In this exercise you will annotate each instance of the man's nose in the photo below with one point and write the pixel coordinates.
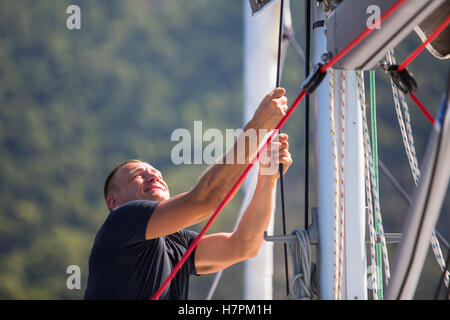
(149, 176)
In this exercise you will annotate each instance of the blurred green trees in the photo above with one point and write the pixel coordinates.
(76, 103)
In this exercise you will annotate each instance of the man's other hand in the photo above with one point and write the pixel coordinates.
(271, 110)
(277, 152)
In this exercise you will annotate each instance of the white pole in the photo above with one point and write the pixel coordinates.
(355, 275)
(324, 162)
(354, 282)
(260, 71)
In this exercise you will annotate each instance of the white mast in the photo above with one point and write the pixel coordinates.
(260, 71)
(324, 161)
(354, 281)
(355, 275)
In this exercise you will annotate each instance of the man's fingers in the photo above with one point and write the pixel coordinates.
(282, 137)
(279, 145)
(278, 154)
(278, 92)
(284, 108)
(287, 160)
(284, 145)
(275, 146)
(281, 100)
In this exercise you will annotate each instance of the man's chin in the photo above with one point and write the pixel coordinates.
(156, 196)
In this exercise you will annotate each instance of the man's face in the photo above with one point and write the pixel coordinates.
(139, 181)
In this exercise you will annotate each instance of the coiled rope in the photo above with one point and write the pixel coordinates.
(303, 286)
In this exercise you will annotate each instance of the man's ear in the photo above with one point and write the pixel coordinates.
(112, 202)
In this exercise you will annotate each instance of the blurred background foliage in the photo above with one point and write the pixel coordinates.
(75, 103)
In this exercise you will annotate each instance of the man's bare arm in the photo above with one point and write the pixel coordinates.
(198, 204)
(220, 250)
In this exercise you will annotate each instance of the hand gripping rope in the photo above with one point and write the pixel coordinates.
(308, 86)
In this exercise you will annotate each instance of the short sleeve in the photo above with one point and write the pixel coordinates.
(189, 237)
(128, 223)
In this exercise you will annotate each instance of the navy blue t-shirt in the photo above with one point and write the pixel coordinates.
(123, 265)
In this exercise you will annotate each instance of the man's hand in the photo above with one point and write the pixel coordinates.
(277, 152)
(201, 202)
(220, 250)
(271, 110)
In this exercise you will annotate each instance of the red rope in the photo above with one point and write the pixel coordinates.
(364, 34)
(416, 52)
(229, 196)
(422, 107)
(280, 124)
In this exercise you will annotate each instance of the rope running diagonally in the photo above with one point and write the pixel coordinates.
(238, 183)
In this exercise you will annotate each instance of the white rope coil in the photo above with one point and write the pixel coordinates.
(302, 286)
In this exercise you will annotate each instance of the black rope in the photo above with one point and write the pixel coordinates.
(280, 167)
(307, 70)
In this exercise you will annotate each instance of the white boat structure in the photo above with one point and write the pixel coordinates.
(346, 230)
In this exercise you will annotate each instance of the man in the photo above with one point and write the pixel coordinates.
(145, 233)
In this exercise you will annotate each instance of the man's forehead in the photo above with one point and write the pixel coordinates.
(136, 166)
